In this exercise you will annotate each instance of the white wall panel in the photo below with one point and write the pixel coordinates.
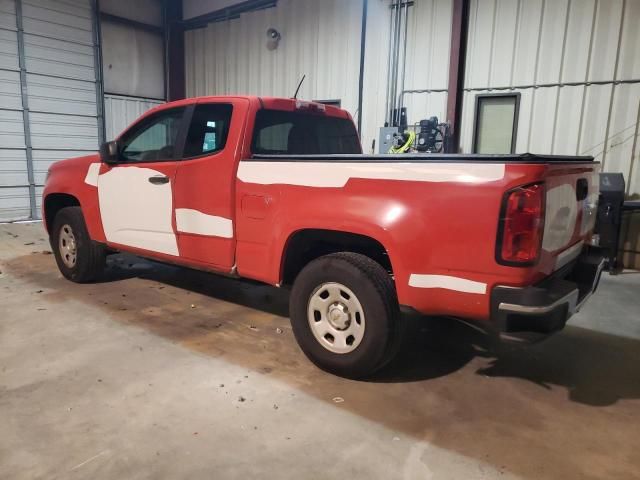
(605, 39)
(319, 38)
(132, 61)
(10, 94)
(555, 43)
(552, 37)
(120, 112)
(8, 49)
(629, 62)
(375, 71)
(578, 40)
(7, 14)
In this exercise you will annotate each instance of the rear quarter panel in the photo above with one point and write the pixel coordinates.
(439, 229)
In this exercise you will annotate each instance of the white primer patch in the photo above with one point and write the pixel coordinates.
(337, 174)
(561, 216)
(92, 174)
(136, 213)
(194, 221)
(568, 255)
(447, 282)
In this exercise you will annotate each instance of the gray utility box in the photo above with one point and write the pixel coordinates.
(386, 141)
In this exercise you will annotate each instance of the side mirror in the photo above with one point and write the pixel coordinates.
(110, 152)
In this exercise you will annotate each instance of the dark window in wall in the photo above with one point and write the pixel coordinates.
(208, 129)
(281, 132)
(496, 123)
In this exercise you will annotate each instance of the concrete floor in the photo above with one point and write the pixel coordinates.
(159, 372)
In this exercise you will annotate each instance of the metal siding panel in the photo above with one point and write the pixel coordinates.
(480, 37)
(375, 72)
(132, 61)
(52, 131)
(551, 41)
(623, 128)
(578, 38)
(10, 90)
(504, 42)
(61, 95)
(8, 14)
(596, 109)
(145, 11)
(318, 39)
(629, 64)
(605, 40)
(120, 112)
(8, 50)
(14, 204)
(11, 129)
(13, 167)
(524, 67)
(42, 160)
(59, 58)
(567, 123)
(58, 20)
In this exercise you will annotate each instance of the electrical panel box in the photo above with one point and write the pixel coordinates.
(386, 139)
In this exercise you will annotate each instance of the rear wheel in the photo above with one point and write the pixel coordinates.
(345, 315)
(79, 258)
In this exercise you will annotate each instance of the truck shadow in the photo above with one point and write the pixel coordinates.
(450, 385)
(596, 368)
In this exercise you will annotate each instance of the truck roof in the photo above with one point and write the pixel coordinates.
(271, 103)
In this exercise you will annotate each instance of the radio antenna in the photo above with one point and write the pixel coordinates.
(295, 95)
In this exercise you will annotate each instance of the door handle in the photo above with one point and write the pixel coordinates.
(159, 180)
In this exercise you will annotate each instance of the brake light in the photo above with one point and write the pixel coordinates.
(521, 226)
(312, 106)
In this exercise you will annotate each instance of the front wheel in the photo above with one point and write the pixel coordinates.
(79, 258)
(344, 313)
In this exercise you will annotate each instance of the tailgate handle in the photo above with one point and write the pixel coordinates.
(582, 189)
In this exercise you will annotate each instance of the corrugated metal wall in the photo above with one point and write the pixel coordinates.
(120, 112)
(319, 38)
(14, 181)
(58, 95)
(576, 64)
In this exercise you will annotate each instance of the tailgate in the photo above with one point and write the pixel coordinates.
(570, 212)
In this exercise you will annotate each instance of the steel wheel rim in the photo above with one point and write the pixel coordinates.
(67, 246)
(336, 318)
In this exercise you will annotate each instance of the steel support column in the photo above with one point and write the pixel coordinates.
(25, 111)
(458, 56)
(176, 84)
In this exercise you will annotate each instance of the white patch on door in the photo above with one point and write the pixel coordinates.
(135, 212)
(92, 174)
(194, 221)
(447, 282)
(337, 174)
(560, 219)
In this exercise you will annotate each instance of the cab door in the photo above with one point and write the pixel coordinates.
(205, 182)
(136, 194)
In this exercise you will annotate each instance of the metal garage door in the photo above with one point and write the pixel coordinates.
(48, 90)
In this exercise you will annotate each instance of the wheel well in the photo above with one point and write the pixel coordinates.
(56, 202)
(307, 245)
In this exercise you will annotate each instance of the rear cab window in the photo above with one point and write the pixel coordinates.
(280, 132)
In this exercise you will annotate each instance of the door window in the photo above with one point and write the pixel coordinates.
(154, 139)
(208, 130)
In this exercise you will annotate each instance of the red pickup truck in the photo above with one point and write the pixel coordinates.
(278, 190)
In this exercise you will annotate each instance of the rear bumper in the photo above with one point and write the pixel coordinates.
(530, 313)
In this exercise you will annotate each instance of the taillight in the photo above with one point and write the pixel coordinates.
(521, 226)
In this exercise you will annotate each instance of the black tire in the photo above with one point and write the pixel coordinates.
(374, 290)
(89, 255)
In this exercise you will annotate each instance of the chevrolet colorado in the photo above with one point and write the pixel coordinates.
(278, 190)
